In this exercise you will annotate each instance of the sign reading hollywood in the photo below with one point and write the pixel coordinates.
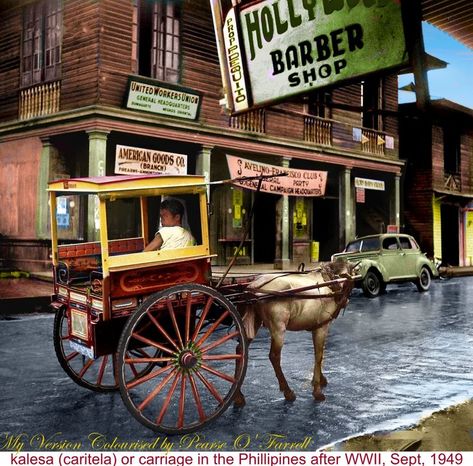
(135, 160)
(294, 46)
(164, 99)
(296, 183)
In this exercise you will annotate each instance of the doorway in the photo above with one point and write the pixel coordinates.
(450, 234)
(264, 228)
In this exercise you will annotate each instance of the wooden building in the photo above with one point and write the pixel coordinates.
(438, 201)
(67, 70)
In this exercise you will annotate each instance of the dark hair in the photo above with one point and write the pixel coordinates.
(174, 206)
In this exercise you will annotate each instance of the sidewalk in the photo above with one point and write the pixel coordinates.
(33, 293)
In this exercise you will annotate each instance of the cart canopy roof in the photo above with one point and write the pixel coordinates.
(130, 185)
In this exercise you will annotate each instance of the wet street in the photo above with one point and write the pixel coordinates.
(389, 361)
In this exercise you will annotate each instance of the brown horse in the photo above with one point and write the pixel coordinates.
(306, 307)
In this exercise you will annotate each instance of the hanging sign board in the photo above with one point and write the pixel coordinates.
(165, 99)
(277, 49)
(132, 160)
(296, 183)
(366, 183)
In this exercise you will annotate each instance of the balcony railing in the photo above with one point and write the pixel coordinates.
(372, 142)
(317, 130)
(254, 121)
(39, 100)
(452, 182)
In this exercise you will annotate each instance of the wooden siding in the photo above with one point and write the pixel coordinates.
(10, 39)
(115, 51)
(80, 54)
(19, 168)
(437, 157)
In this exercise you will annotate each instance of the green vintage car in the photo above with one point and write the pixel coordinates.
(388, 258)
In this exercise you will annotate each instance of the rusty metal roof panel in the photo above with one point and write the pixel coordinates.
(452, 16)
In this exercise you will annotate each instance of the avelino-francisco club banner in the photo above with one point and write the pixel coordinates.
(296, 183)
(277, 49)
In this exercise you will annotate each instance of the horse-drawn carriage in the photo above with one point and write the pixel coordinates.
(154, 324)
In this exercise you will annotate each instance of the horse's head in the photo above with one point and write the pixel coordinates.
(343, 268)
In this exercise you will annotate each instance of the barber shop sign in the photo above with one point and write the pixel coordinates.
(274, 49)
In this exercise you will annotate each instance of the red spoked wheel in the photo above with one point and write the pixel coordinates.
(202, 360)
(97, 374)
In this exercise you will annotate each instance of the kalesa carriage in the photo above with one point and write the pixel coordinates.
(156, 325)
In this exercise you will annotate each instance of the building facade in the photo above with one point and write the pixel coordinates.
(73, 102)
(438, 201)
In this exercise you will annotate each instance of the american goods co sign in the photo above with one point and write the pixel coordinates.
(274, 49)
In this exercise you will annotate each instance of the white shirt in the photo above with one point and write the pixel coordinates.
(175, 237)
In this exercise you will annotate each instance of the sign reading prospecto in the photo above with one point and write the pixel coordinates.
(296, 183)
(133, 160)
(288, 47)
(165, 99)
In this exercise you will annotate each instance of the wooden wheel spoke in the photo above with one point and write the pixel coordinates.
(220, 341)
(182, 401)
(203, 317)
(174, 322)
(134, 361)
(217, 373)
(86, 368)
(161, 329)
(212, 328)
(198, 401)
(147, 377)
(166, 402)
(151, 343)
(210, 387)
(156, 391)
(71, 356)
(188, 316)
(103, 365)
(140, 351)
(221, 357)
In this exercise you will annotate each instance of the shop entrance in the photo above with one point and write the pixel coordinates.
(450, 234)
(264, 228)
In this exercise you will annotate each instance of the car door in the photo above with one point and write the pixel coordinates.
(391, 258)
(411, 254)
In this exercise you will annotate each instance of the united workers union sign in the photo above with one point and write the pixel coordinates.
(288, 47)
(155, 97)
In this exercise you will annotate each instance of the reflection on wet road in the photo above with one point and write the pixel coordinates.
(388, 361)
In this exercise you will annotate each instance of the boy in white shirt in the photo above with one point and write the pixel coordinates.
(171, 235)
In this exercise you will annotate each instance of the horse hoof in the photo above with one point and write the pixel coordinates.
(319, 396)
(290, 395)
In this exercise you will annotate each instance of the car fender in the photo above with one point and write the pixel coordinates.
(367, 264)
(424, 261)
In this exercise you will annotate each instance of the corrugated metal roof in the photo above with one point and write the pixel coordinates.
(452, 16)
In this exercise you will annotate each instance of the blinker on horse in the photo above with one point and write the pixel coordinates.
(297, 301)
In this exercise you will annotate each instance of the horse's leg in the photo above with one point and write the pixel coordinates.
(277, 342)
(318, 381)
(252, 323)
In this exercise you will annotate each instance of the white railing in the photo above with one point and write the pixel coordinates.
(317, 130)
(39, 100)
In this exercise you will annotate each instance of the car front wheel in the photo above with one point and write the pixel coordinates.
(423, 282)
(372, 284)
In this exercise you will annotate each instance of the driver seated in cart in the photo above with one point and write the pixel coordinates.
(171, 234)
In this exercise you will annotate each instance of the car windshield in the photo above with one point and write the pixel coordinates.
(370, 244)
(353, 247)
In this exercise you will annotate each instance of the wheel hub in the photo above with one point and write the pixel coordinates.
(188, 359)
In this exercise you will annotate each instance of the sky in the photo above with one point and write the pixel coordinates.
(455, 82)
